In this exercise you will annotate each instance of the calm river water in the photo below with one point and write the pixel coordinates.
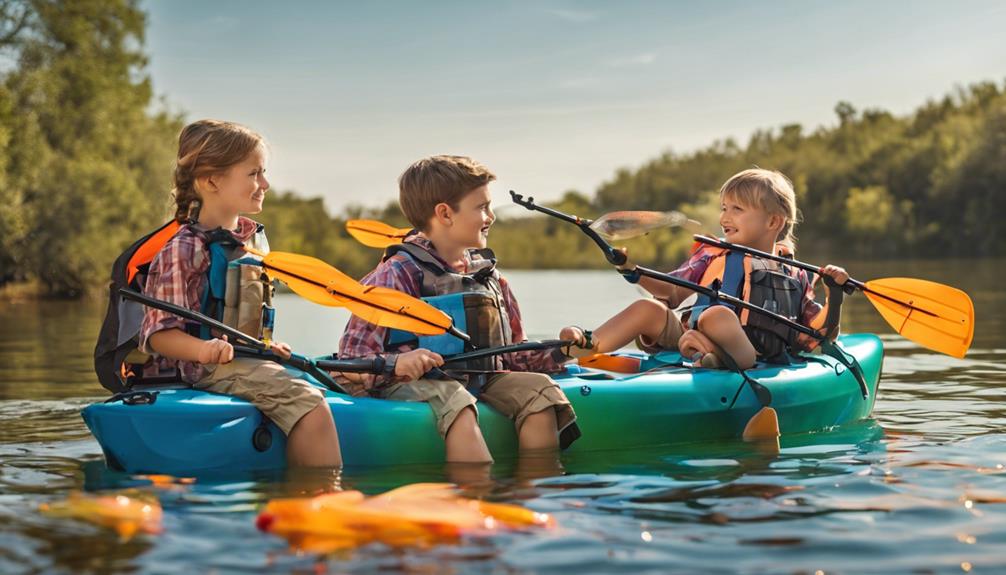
(921, 488)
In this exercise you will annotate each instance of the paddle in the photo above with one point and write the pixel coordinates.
(376, 234)
(618, 257)
(480, 353)
(321, 283)
(259, 347)
(614, 226)
(936, 316)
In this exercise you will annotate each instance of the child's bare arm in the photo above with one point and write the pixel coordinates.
(177, 344)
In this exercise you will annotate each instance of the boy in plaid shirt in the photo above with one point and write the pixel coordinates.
(447, 199)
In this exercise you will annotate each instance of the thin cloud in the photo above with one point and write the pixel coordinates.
(577, 16)
(642, 59)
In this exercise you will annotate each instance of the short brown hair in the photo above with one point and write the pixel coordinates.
(438, 180)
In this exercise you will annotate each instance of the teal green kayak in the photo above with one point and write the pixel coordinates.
(181, 431)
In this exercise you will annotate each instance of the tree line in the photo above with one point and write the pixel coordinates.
(86, 152)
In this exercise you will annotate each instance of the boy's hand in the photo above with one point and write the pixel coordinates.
(281, 349)
(413, 364)
(837, 274)
(216, 351)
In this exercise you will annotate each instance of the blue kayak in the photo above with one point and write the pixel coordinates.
(182, 431)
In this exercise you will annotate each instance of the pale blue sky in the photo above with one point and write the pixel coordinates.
(551, 95)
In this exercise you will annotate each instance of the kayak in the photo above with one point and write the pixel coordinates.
(182, 431)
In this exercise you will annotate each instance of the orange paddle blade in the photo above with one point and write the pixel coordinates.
(933, 315)
(762, 425)
(321, 283)
(376, 234)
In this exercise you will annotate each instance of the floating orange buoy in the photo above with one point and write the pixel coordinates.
(126, 514)
(417, 515)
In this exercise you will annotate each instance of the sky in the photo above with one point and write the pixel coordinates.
(551, 95)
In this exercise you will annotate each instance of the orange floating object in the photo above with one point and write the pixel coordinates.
(418, 515)
(167, 481)
(126, 514)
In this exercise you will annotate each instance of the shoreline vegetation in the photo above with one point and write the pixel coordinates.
(86, 149)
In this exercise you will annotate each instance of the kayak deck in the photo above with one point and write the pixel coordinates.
(185, 431)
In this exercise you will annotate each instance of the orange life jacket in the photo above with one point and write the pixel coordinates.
(755, 281)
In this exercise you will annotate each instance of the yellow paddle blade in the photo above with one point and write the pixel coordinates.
(376, 234)
(762, 425)
(321, 283)
(933, 315)
(398, 310)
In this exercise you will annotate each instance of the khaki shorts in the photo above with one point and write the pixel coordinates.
(668, 339)
(514, 394)
(276, 392)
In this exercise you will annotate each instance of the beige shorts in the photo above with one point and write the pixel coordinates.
(515, 395)
(668, 339)
(276, 392)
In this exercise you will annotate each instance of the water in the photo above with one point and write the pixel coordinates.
(920, 488)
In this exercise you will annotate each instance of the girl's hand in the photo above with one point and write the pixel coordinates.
(281, 349)
(837, 274)
(216, 351)
(413, 364)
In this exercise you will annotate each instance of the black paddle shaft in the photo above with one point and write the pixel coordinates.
(617, 257)
(850, 286)
(614, 257)
(238, 336)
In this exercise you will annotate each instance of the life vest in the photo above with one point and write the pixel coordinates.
(474, 300)
(755, 281)
(238, 291)
(231, 296)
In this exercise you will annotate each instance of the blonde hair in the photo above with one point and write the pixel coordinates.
(435, 180)
(205, 148)
(771, 191)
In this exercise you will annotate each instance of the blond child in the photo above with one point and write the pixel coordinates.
(447, 199)
(758, 210)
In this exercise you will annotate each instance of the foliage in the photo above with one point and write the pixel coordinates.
(85, 164)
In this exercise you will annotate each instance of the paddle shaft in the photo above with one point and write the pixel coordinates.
(258, 348)
(195, 316)
(617, 257)
(451, 330)
(811, 268)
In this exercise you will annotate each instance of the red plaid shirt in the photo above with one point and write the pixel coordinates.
(178, 275)
(400, 272)
(811, 312)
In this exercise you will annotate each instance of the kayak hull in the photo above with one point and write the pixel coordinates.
(185, 431)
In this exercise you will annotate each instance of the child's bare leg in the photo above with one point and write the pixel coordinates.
(646, 316)
(721, 325)
(313, 441)
(464, 439)
(539, 431)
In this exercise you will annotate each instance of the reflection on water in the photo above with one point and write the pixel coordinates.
(918, 489)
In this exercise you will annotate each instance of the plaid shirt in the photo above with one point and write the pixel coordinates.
(812, 314)
(178, 275)
(400, 272)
